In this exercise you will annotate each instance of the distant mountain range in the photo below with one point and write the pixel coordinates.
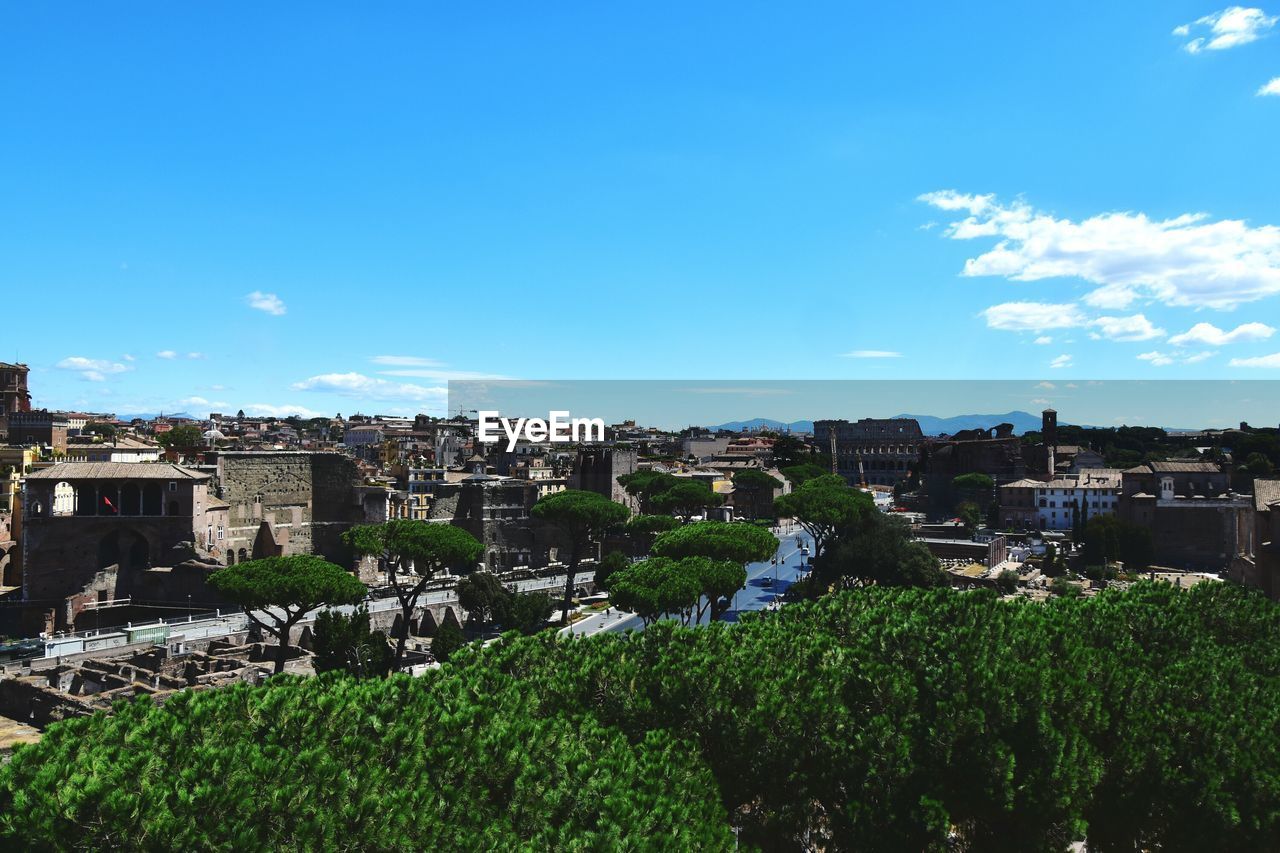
(929, 424)
(1022, 422)
(766, 423)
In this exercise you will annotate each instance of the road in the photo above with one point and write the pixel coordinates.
(209, 626)
(760, 592)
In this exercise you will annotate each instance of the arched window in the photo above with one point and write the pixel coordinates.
(130, 499)
(152, 498)
(86, 499)
(64, 499)
(108, 499)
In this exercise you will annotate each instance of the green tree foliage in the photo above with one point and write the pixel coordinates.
(718, 540)
(661, 493)
(727, 548)
(185, 437)
(487, 601)
(789, 450)
(823, 506)
(448, 639)
(1007, 582)
(345, 644)
(880, 720)
(686, 498)
(970, 514)
(526, 612)
(610, 564)
(649, 525)
(98, 428)
(641, 530)
(880, 552)
(973, 482)
(657, 587)
(645, 485)
(1108, 538)
(582, 517)
(333, 763)
(405, 546)
(481, 594)
(803, 473)
(753, 491)
(1065, 588)
(1259, 465)
(718, 581)
(1050, 565)
(276, 592)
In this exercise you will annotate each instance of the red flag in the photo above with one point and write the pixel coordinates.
(106, 500)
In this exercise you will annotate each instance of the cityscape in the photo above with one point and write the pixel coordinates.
(682, 428)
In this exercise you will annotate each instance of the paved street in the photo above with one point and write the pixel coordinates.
(207, 626)
(760, 592)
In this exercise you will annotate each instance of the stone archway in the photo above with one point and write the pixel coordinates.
(128, 549)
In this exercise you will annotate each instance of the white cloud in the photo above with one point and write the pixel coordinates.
(92, 369)
(1033, 316)
(195, 356)
(405, 361)
(872, 353)
(128, 357)
(1161, 359)
(167, 354)
(1230, 27)
(1270, 88)
(952, 200)
(416, 367)
(1043, 340)
(1042, 401)
(1272, 360)
(1061, 361)
(267, 410)
(442, 375)
(1184, 261)
(268, 302)
(369, 388)
(1210, 335)
(1134, 328)
(1156, 357)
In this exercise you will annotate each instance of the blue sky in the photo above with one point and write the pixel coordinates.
(330, 207)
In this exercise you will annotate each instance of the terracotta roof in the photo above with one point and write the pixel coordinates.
(1023, 484)
(1265, 493)
(116, 471)
(1176, 467)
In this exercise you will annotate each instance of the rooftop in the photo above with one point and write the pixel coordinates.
(1180, 467)
(1265, 493)
(117, 471)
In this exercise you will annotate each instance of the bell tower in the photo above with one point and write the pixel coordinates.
(1049, 436)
